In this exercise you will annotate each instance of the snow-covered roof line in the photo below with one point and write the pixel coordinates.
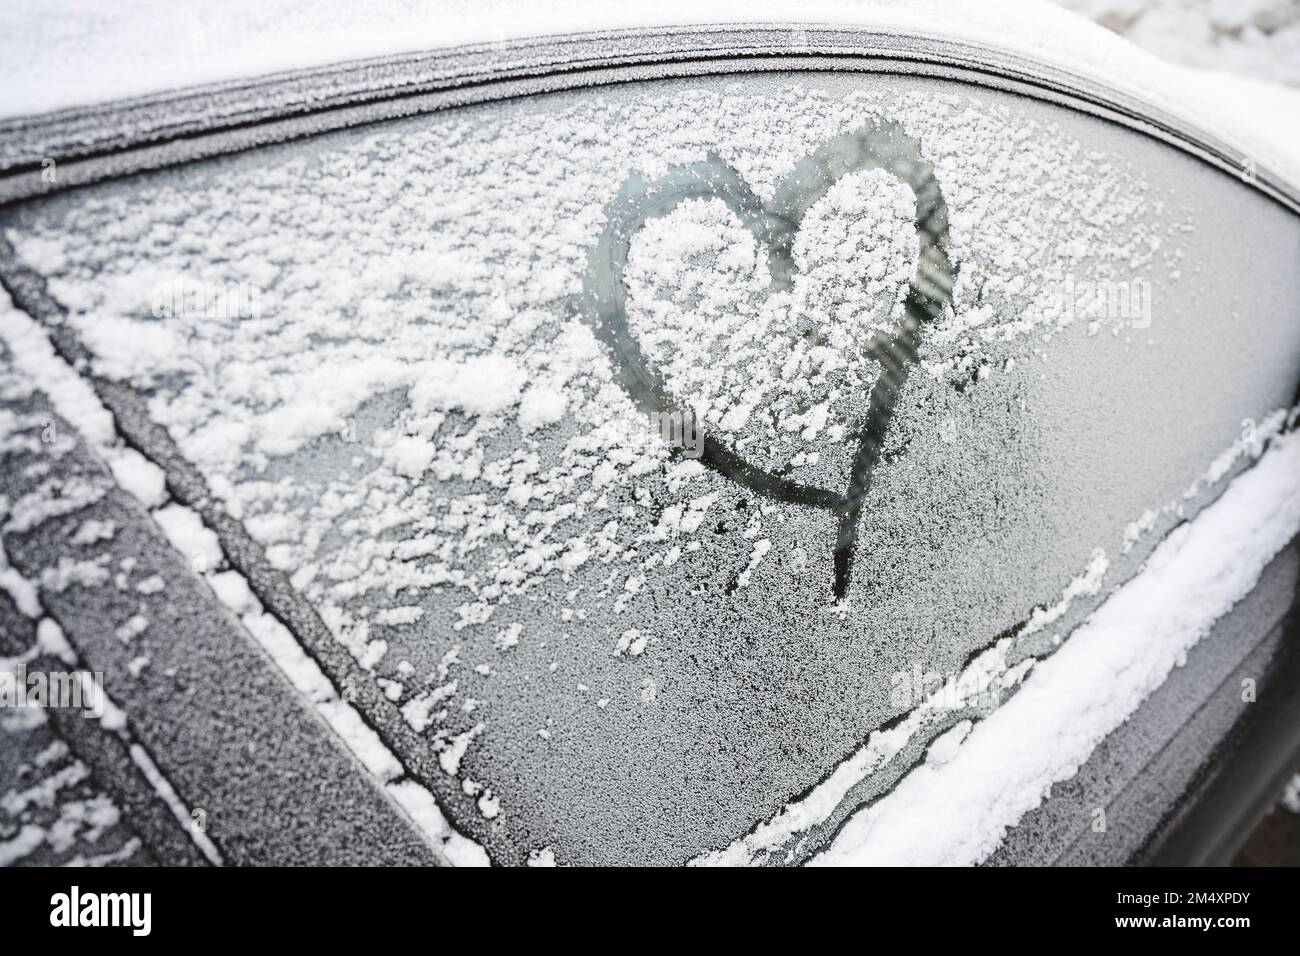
(132, 54)
(139, 47)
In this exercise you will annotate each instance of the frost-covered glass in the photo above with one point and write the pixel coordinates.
(389, 353)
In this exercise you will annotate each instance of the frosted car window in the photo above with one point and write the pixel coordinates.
(383, 351)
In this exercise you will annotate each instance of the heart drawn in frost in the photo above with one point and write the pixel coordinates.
(774, 224)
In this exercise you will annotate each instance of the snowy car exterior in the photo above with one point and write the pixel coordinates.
(756, 444)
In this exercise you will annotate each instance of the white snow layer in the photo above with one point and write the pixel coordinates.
(956, 812)
(81, 52)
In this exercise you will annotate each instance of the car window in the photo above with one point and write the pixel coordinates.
(555, 411)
